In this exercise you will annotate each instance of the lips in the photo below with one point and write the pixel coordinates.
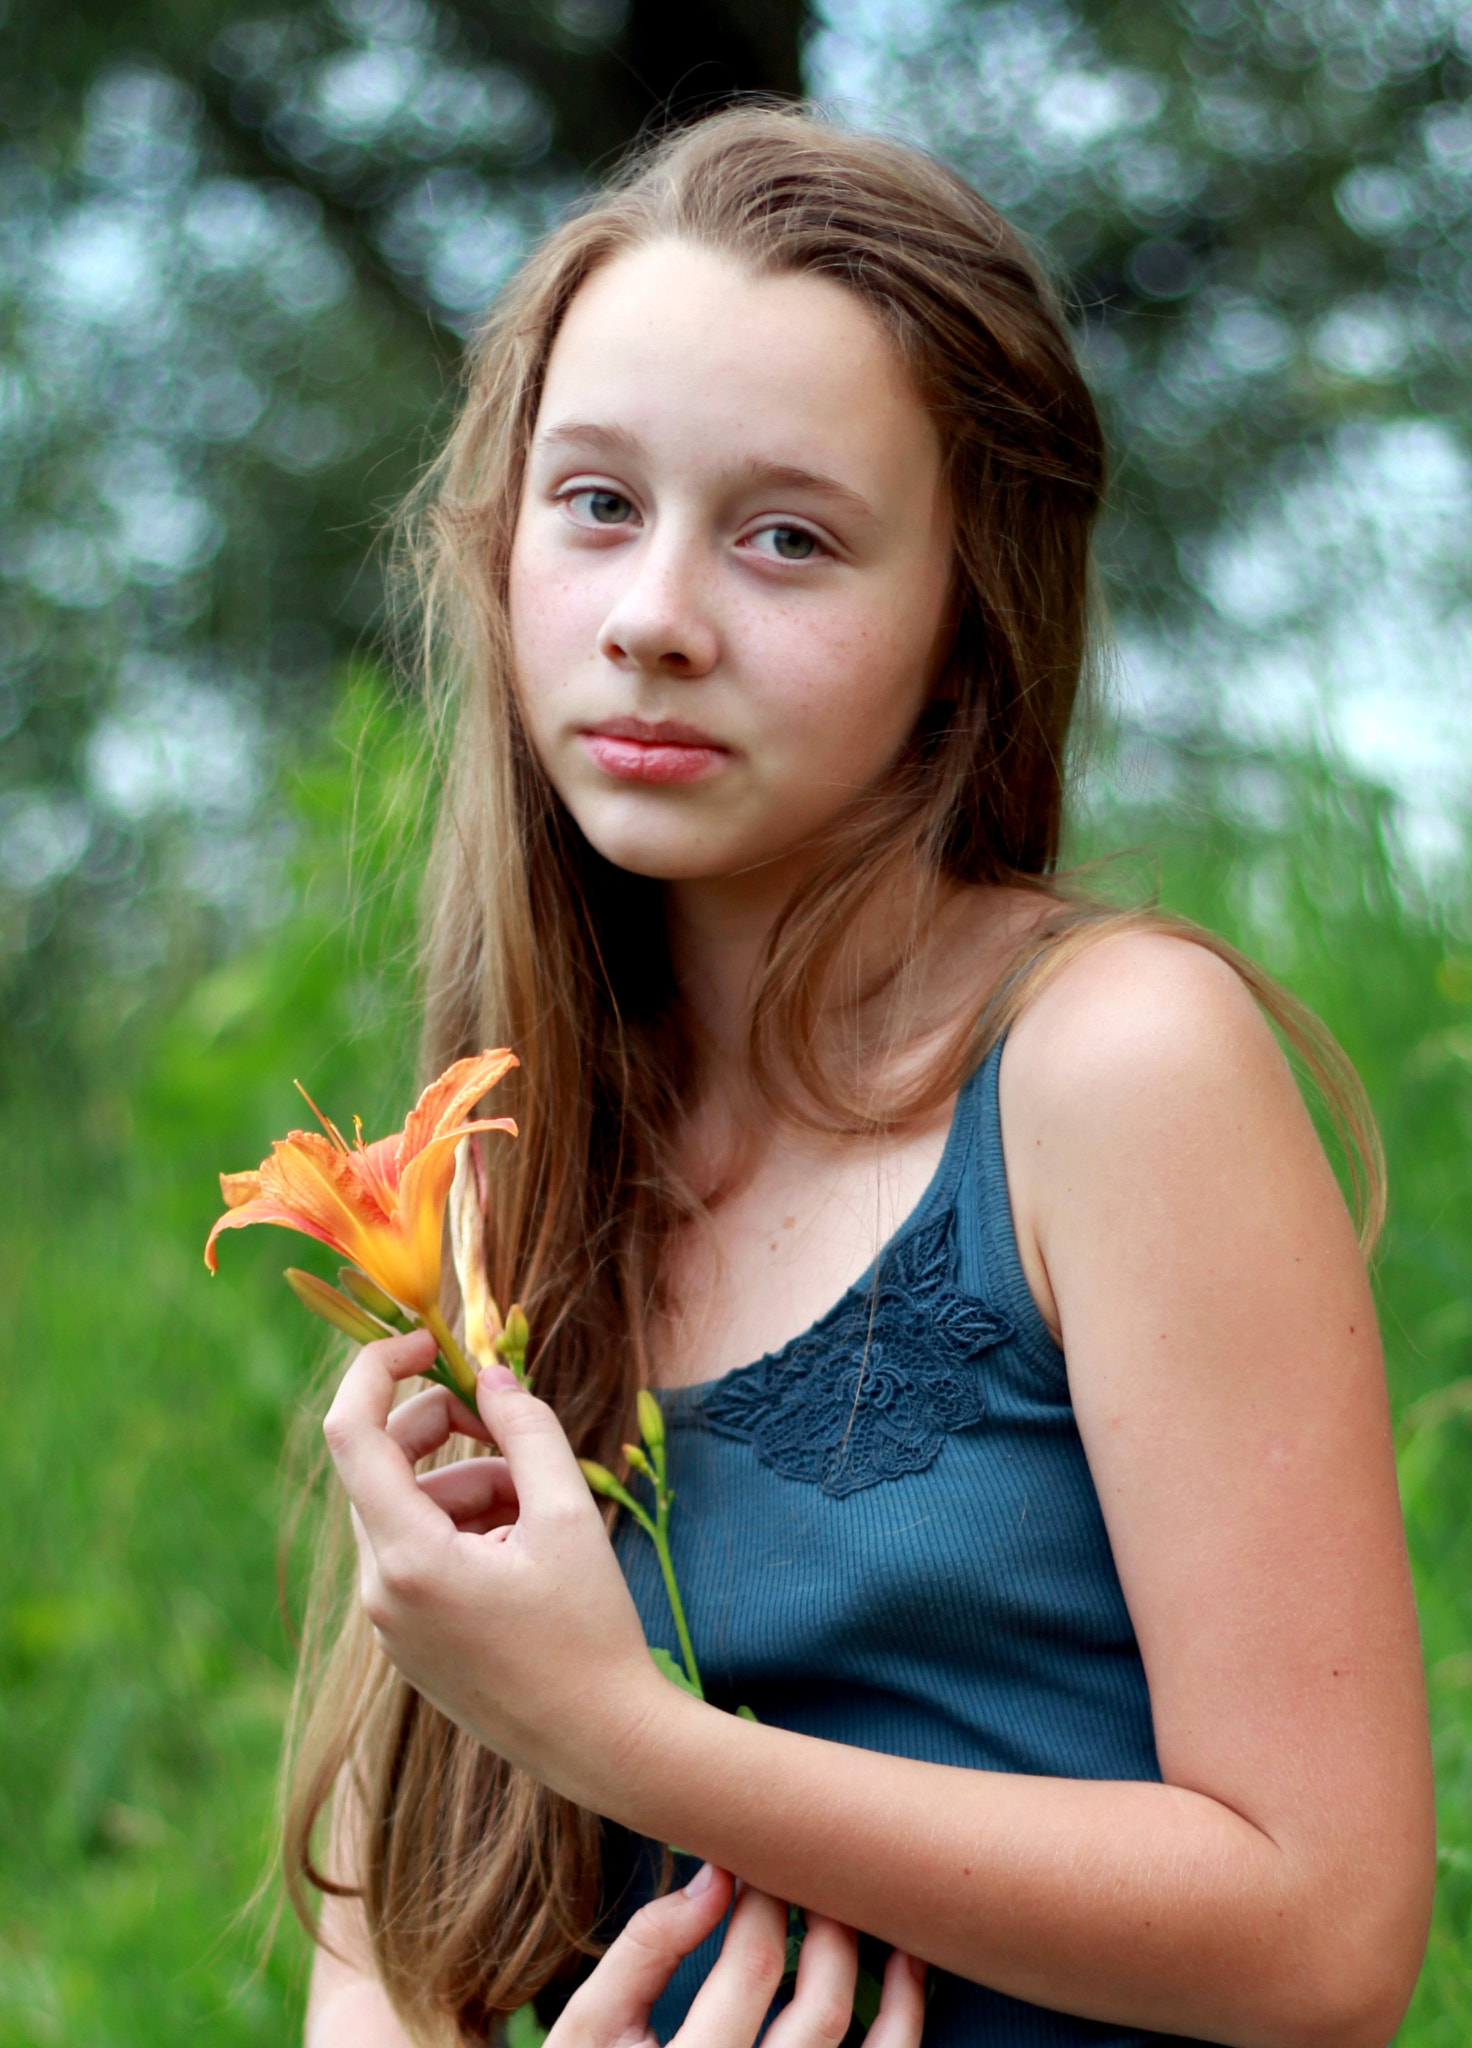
(657, 732)
(661, 750)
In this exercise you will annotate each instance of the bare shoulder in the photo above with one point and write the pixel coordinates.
(1147, 1104)
(1137, 1000)
(1141, 1014)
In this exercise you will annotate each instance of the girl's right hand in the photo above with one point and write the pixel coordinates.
(612, 2009)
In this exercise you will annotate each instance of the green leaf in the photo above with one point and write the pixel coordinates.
(674, 1671)
(745, 1714)
(524, 2029)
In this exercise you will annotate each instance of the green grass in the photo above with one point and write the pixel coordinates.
(144, 1661)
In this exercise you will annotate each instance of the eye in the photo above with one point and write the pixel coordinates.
(787, 543)
(600, 508)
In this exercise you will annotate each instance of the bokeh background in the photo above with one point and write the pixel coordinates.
(239, 251)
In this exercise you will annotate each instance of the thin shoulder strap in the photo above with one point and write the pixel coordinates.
(986, 1235)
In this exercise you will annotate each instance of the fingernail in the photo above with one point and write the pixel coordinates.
(702, 1881)
(498, 1378)
(918, 1969)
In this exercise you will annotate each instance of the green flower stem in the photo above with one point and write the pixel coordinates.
(667, 1565)
(460, 1373)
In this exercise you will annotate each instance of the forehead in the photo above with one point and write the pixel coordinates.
(681, 347)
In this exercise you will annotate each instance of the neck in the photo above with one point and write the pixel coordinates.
(719, 928)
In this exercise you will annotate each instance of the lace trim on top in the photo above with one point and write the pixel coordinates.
(875, 1387)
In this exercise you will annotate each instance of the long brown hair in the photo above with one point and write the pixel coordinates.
(478, 1884)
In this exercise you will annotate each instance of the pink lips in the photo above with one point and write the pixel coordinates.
(636, 750)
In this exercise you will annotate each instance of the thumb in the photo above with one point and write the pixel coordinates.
(614, 2003)
(538, 1455)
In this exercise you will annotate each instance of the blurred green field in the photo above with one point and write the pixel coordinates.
(145, 1664)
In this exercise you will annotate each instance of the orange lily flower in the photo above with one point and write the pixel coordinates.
(381, 1205)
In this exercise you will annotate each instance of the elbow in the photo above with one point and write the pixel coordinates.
(1351, 2016)
(1352, 1977)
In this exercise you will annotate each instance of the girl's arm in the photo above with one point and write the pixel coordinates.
(1177, 1215)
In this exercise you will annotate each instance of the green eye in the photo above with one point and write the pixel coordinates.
(604, 508)
(792, 543)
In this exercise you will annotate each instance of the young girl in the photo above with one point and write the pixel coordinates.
(1017, 1358)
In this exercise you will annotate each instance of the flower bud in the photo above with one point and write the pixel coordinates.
(602, 1481)
(651, 1420)
(368, 1294)
(513, 1340)
(639, 1462)
(325, 1301)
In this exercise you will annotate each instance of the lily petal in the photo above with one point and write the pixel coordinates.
(449, 1100)
(380, 1206)
(468, 1249)
(423, 1191)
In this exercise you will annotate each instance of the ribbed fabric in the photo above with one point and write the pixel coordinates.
(969, 1613)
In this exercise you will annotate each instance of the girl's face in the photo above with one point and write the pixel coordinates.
(730, 573)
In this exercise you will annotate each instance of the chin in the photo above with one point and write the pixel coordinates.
(666, 851)
(661, 841)
(657, 862)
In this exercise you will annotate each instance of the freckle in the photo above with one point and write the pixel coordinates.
(789, 1222)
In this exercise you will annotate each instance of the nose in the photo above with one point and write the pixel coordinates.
(660, 624)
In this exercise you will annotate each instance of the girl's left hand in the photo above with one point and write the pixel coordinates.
(730, 2009)
(492, 1584)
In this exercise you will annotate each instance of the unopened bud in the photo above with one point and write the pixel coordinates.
(325, 1301)
(368, 1294)
(514, 1339)
(602, 1481)
(651, 1420)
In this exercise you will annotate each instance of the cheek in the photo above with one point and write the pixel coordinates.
(851, 688)
(545, 629)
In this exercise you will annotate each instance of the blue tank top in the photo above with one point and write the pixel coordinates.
(886, 1534)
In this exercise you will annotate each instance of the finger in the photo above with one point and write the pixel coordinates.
(378, 1478)
(425, 1421)
(476, 1493)
(532, 1442)
(616, 1999)
(902, 2008)
(823, 2002)
(731, 2004)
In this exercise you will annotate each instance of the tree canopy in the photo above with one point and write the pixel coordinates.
(242, 247)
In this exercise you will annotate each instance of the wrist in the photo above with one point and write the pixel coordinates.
(626, 1777)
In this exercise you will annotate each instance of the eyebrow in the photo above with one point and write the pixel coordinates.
(586, 434)
(781, 476)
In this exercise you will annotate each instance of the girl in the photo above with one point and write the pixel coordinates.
(1016, 1353)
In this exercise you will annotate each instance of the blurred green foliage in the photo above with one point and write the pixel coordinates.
(145, 1661)
(144, 1658)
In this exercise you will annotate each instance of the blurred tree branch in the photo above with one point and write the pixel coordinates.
(602, 71)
